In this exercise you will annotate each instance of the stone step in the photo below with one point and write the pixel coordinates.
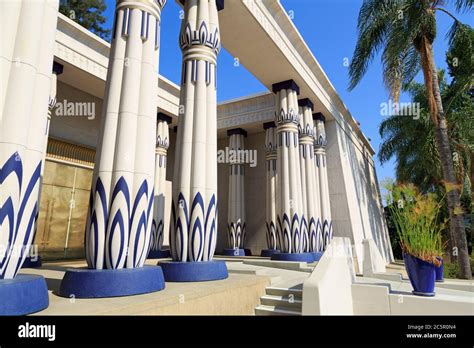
(273, 310)
(277, 291)
(281, 301)
(286, 265)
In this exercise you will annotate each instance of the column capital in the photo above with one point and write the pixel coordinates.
(238, 131)
(306, 102)
(163, 117)
(219, 4)
(319, 117)
(57, 68)
(288, 84)
(268, 125)
(153, 7)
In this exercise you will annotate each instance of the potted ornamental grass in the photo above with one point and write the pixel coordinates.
(416, 218)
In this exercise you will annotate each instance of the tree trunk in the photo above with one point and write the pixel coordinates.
(456, 221)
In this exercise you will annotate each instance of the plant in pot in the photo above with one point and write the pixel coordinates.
(417, 223)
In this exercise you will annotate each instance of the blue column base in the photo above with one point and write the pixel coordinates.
(233, 252)
(175, 271)
(159, 254)
(317, 255)
(426, 294)
(32, 262)
(98, 283)
(248, 252)
(268, 252)
(24, 294)
(300, 257)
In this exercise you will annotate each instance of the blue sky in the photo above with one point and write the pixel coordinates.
(330, 32)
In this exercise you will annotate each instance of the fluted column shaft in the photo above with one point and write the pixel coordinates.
(119, 225)
(27, 32)
(236, 227)
(273, 240)
(320, 160)
(193, 225)
(162, 145)
(57, 70)
(311, 230)
(289, 198)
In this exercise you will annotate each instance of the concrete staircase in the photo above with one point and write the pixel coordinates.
(285, 293)
(281, 301)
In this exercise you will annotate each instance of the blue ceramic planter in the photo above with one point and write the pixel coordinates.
(439, 272)
(422, 275)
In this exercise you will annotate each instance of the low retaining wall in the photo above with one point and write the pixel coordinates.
(328, 289)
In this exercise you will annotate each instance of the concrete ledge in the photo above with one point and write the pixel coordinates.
(288, 265)
(328, 289)
(372, 296)
(239, 294)
(441, 304)
(373, 261)
(370, 299)
(454, 284)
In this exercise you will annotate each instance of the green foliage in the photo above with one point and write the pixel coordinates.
(412, 141)
(395, 28)
(460, 60)
(451, 270)
(88, 13)
(416, 219)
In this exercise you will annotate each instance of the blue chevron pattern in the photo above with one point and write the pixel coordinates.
(237, 232)
(22, 219)
(193, 233)
(119, 221)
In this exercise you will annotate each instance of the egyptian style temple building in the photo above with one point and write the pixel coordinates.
(303, 173)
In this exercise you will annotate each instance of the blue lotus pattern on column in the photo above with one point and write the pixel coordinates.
(119, 237)
(304, 234)
(273, 242)
(195, 239)
(313, 235)
(290, 233)
(296, 234)
(17, 219)
(319, 237)
(236, 232)
(157, 234)
(327, 233)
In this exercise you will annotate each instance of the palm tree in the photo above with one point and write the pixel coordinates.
(412, 141)
(404, 30)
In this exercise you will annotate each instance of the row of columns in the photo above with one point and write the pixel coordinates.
(298, 214)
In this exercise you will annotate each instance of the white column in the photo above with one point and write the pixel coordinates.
(120, 217)
(289, 198)
(57, 70)
(236, 209)
(162, 145)
(311, 207)
(273, 240)
(27, 32)
(193, 233)
(322, 177)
